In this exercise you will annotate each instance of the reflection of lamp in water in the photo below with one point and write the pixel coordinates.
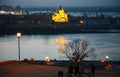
(19, 35)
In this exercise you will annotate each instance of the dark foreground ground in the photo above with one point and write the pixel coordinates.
(34, 70)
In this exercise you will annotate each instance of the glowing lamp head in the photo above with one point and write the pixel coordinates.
(46, 57)
(18, 34)
(106, 57)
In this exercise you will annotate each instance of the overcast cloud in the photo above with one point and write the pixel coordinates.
(62, 2)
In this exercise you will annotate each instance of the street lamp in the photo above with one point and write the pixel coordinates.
(19, 35)
(47, 59)
(107, 57)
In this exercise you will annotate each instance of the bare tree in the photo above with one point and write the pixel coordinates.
(77, 50)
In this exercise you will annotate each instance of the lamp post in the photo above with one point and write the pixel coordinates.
(108, 65)
(47, 59)
(19, 35)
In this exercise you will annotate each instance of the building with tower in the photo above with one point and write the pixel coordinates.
(60, 16)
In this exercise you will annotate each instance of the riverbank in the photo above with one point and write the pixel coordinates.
(63, 63)
(32, 70)
(42, 23)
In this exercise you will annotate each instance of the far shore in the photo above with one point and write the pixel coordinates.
(51, 29)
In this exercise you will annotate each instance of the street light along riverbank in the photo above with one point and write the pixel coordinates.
(19, 35)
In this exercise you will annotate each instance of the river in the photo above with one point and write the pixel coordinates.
(40, 46)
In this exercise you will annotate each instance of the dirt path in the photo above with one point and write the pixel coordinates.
(29, 70)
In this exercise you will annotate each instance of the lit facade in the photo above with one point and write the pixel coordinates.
(60, 16)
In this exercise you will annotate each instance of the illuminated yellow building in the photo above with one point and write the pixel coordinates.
(60, 16)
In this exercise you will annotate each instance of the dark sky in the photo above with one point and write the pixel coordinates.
(71, 3)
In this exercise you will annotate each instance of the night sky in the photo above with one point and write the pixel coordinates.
(69, 3)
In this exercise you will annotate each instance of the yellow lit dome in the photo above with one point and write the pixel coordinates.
(60, 16)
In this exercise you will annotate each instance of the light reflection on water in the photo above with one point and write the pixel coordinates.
(40, 46)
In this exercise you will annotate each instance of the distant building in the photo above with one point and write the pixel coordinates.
(60, 16)
(118, 20)
(18, 10)
(9, 10)
(95, 21)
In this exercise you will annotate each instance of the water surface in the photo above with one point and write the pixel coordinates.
(40, 46)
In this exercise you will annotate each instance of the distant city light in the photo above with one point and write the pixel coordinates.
(12, 12)
(2, 12)
(102, 61)
(81, 21)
